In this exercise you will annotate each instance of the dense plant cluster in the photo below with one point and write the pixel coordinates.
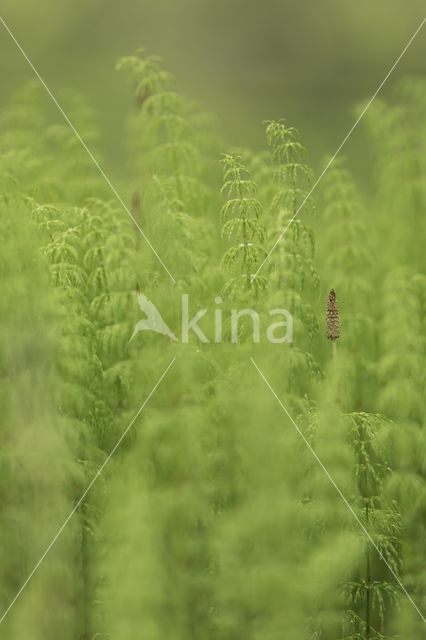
(223, 514)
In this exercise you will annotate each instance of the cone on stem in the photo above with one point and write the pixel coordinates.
(333, 317)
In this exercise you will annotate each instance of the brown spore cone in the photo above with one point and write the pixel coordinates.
(333, 317)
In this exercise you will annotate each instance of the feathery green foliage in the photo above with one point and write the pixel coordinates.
(219, 516)
(241, 215)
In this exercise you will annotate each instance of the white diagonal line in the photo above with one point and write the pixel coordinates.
(80, 500)
(301, 434)
(88, 151)
(345, 139)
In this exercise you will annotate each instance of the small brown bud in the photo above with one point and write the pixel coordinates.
(333, 318)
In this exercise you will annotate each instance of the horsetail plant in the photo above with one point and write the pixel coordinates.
(163, 126)
(401, 373)
(375, 593)
(172, 160)
(211, 502)
(39, 461)
(347, 261)
(292, 266)
(241, 215)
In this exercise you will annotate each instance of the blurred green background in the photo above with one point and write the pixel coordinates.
(309, 61)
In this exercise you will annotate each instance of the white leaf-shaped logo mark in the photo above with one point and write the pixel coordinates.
(153, 321)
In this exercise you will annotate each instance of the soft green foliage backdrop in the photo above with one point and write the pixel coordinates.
(213, 519)
(248, 61)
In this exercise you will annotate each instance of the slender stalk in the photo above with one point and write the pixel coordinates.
(136, 209)
(368, 567)
(85, 559)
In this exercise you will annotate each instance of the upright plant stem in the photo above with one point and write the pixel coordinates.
(368, 568)
(85, 553)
